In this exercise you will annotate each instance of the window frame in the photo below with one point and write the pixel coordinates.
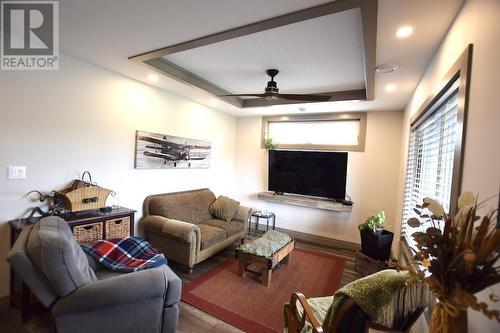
(359, 116)
(460, 70)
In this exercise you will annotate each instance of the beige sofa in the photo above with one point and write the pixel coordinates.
(181, 226)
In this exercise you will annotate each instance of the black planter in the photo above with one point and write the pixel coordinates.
(377, 245)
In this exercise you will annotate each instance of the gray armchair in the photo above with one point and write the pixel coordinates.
(85, 297)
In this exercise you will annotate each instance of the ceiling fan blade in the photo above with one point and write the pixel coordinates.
(244, 95)
(304, 97)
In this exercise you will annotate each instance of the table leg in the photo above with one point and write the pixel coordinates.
(26, 303)
(288, 259)
(266, 276)
(249, 223)
(267, 225)
(242, 268)
(274, 222)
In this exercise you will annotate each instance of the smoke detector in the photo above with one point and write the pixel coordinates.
(386, 68)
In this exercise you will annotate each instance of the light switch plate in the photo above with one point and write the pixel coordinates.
(17, 172)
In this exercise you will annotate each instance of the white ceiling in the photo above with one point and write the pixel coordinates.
(107, 32)
(328, 49)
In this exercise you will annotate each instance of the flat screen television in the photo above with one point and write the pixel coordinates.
(320, 174)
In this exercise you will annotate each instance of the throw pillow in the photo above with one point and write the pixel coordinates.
(224, 208)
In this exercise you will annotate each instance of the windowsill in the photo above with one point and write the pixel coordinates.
(407, 256)
(304, 201)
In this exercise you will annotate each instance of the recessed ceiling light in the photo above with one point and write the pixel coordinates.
(404, 31)
(386, 68)
(390, 87)
(153, 77)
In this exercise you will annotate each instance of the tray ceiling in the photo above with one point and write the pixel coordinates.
(107, 33)
(335, 42)
(329, 47)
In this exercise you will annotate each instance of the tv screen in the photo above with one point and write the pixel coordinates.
(321, 174)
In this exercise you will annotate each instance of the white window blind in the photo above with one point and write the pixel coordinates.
(431, 154)
(324, 132)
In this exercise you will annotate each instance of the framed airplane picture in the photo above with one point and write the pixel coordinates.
(161, 151)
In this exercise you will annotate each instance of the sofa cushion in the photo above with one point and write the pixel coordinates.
(189, 206)
(210, 235)
(230, 227)
(54, 251)
(224, 208)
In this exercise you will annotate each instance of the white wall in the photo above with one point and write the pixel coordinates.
(371, 179)
(83, 117)
(477, 23)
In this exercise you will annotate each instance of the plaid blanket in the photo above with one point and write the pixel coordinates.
(128, 254)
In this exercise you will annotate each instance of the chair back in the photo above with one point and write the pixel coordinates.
(381, 301)
(28, 272)
(49, 246)
(384, 297)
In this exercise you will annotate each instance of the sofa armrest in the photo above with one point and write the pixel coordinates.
(183, 231)
(123, 289)
(243, 214)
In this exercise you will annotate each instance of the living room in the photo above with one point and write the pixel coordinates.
(110, 102)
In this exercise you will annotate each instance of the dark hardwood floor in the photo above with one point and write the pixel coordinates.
(191, 319)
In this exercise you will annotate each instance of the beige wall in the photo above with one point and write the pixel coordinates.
(477, 23)
(83, 117)
(371, 179)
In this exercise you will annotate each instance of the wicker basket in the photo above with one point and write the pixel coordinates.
(118, 228)
(84, 195)
(365, 265)
(88, 232)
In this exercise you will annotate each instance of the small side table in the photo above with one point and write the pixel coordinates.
(262, 215)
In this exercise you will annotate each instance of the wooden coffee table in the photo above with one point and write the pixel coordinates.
(265, 264)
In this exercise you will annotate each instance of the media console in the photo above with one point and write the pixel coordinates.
(304, 201)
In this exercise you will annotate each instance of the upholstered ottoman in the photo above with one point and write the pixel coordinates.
(266, 252)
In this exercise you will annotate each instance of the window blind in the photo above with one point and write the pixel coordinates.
(431, 154)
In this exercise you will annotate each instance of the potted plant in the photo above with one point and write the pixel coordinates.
(269, 144)
(375, 241)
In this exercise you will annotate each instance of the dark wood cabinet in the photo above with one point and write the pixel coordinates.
(87, 227)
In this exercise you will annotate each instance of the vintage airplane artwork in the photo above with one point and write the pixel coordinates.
(166, 151)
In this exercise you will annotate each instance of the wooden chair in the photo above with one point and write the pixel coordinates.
(349, 317)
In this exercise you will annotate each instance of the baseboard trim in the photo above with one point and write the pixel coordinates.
(318, 240)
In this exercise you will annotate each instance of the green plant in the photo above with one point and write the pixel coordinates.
(373, 222)
(270, 144)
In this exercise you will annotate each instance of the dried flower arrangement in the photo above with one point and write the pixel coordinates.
(459, 257)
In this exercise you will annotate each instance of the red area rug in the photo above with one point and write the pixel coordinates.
(252, 307)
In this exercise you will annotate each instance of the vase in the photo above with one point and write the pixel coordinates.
(453, 324)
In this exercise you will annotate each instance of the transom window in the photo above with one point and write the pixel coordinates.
(317, 132)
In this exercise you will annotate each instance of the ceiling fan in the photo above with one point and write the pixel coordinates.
(271, 92)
